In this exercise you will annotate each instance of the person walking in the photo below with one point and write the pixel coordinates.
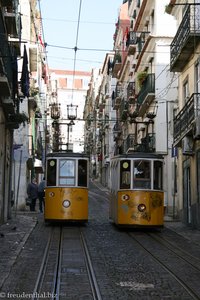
(32, 192)
(41, 194)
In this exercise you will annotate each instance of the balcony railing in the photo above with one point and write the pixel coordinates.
(147, 143)
(131, 89)
(147, 90)
(129, 143)
(6, 73)
(184, 119)
(186, 38)
(116, 97)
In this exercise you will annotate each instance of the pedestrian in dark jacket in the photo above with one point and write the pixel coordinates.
(41, 194)
(32, 191)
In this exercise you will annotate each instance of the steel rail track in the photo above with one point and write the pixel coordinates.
(43, 268)
(181, 253)
(90, 270)
(185, 286)
(54, 249)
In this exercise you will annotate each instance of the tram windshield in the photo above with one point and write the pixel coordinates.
(142, 174)
(67, 172)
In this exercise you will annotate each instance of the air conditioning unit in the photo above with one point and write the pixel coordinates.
(187, 145)
(196, 130)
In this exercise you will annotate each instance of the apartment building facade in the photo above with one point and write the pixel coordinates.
(184, 60)
(69, 90)
(138, 93)
(21, 82)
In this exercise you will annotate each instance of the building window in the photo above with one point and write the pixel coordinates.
(78, 84)
(197, 77)
(198, 176)
(186, 93)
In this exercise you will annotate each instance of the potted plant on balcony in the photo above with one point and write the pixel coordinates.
(118, 58)
(18, 118)
(168, 8)
(141, 76)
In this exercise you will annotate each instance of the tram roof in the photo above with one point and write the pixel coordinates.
(67, 154)
(139, 155)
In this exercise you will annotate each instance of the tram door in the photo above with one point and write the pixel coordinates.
(187, 192)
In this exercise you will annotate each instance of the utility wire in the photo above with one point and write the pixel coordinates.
(76, 48)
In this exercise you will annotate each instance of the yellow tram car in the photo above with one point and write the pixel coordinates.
(137, 197)
(66, 192)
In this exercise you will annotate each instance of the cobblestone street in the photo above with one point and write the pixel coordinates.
(122, 268)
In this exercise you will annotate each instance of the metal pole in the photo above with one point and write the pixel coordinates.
(68, 136)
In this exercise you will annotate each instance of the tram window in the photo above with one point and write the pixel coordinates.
(142, 174)
(125, 175)
(51, 172)
(67, 172)
(82, 172)
(158, 175)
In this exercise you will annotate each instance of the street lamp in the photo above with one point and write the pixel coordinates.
(72, 112)
(71, 115)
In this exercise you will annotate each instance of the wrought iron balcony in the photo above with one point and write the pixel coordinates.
(131, 43)
(129, 143)
(147, 143)
(131, 90)
(116, 99)
(183, 122)
(117, 64)
(147, 91)
(6, 74)
(186, 38)
(12, 18)
(117, 130)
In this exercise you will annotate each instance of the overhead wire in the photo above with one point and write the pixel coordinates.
(74, 21)
(76, 48)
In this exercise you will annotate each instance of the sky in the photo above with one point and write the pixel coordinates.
(95, 31)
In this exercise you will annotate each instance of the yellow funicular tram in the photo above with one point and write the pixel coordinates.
(137, 197)
(66, 193)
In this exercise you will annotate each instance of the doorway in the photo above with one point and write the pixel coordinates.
(187, 214)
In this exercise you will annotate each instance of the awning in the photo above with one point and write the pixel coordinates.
(38, 166)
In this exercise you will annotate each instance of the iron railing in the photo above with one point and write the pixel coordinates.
(183, 120)
(147, 87)
(189, 27)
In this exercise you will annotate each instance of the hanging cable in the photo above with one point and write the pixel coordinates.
(76, 48)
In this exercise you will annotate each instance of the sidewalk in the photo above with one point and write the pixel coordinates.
(193, 235)
(13, 236)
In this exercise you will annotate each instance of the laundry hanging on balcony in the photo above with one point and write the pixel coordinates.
(25, 75)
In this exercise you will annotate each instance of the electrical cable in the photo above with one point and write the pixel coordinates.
(76, 48)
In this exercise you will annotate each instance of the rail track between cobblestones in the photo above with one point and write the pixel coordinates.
(66, 259)
(177, 262)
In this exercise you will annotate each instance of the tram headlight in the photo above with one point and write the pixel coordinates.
(66, 203)
(125, 197)
(141, 207)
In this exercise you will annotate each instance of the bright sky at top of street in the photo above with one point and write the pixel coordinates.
(95, 31)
